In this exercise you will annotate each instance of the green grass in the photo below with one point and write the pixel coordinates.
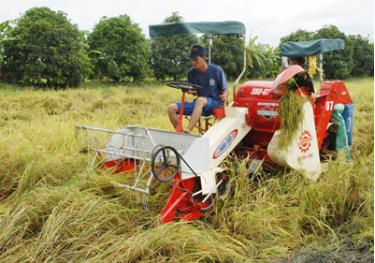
(54, 209)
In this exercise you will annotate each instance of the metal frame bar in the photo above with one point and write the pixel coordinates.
(139, 173)
(321, 67)
(243, 69)
(88, 128)
(244, 61)
(209, 48)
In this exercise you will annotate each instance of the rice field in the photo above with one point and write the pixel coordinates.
(53, 208)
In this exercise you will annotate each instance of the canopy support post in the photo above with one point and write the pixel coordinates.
(209, 48)
(284, 62)
(243, 69)
(321, 67)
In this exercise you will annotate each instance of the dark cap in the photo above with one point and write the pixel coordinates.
(197, 51)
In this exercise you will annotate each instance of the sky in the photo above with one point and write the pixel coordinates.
(269, 20)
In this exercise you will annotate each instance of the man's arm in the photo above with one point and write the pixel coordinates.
(190, 80)
(224, 86)
(224, 95)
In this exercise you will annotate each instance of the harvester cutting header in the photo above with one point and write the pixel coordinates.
(257, 125)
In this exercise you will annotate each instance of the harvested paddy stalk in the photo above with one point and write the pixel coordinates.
(291, 115)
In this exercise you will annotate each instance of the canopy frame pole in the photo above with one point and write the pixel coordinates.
(243, 69)
(321, 67)
(209, 48)
(284, 62)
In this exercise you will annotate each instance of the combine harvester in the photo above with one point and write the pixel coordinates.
(249, 126)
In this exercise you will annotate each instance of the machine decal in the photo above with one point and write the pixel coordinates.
(271, 104)
(305, 141)
(267, 113)
(260, 91)
(305, 157)
(224, 145)
(329, 105)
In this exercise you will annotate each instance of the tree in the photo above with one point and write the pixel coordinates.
(299, 35)
(227, 51)
(169, 55)
(118, 49)
(262, 60)
(337, 64)
(363, 56)
(45, 49)
(4, 29)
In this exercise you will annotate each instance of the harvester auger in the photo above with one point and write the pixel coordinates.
(249, 126)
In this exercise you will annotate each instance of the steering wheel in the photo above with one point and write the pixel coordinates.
(184, 86)
(165, 163)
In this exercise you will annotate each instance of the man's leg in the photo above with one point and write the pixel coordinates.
(199, 104)
(172, 113)
(341, 136)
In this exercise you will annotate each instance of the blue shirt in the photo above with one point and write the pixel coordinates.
(212, 81)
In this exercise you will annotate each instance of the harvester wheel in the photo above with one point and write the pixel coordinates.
(165, 163)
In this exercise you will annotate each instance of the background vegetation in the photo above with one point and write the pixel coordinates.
(118, 50)
(357, 59)
(43, 48)
(53, 208)
(169, 57)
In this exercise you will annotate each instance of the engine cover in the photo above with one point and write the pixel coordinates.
(263, 109)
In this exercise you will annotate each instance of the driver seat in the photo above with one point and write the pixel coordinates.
(205, 122)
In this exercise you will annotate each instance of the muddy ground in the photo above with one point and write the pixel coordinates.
(348, 253)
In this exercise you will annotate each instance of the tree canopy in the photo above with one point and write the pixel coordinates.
(169, 57)
(227, 51)
(357, 59)
(118, 49)
(45, 49)
(263, 61)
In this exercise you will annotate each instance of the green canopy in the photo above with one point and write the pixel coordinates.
(213, 28)
(309, 48)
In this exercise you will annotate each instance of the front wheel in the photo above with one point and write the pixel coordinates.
(165, 163)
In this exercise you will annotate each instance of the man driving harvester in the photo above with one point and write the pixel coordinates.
(212, 94)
